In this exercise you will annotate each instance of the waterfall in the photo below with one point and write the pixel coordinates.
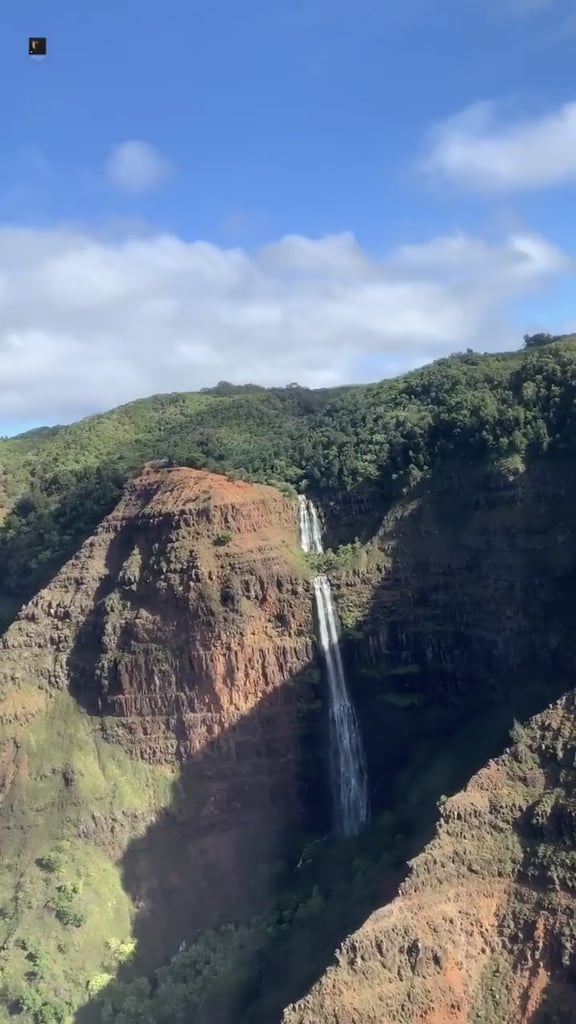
(347, 766)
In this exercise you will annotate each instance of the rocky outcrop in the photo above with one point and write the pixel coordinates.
(482, 929)
(186, 603)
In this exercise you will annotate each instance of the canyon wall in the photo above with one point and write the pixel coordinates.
(158, 709)
(161, 715)
(460, 621)
(482, 930)
(460, 608)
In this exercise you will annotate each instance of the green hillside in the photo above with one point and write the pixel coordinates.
(377, 442)
(59, 483)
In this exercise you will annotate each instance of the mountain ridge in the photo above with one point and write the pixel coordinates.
(55, 489)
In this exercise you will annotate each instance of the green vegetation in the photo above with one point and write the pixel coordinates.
(65, 921)
(238, 964)
(538, 340)
(52, 962)
(51, 862)
(60, 482)
(66, 918)
(493, 991)
(403, 700)
(222, 539)
(345, 558)
(39, 1010)
(64, 904)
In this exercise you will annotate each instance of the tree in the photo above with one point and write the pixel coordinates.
(538, 340)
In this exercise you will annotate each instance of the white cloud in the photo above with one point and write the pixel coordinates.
(89, 321)
(136, 167)
(477, 151)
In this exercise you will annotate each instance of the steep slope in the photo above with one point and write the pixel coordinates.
(460, 616)
(153, 718)
(162, 742)
(59, 484)
(460, 607)
(482, 931)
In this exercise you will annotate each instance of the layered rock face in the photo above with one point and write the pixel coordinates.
(464, 618)
(480, 564)
(183, 628)
(463, 605)
(183, 631)
(483, 928)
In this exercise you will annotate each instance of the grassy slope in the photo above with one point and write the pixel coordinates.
(68, 774)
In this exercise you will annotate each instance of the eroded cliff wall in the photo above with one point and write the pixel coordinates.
(460, 610)
(158, 724)
(460, 621)
(482, 930)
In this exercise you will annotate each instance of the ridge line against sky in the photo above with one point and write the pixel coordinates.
(328, 194)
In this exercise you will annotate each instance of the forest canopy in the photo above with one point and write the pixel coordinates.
(57, 483)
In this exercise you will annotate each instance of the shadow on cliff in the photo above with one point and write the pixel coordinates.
(245, 833)
(466, 632)
(469, 629)
(41, 533)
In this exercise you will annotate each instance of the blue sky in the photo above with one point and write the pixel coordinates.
(261, 191)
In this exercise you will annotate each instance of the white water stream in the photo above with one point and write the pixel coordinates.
(347, 765)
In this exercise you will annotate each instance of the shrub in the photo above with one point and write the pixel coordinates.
(121, 951)
(53, 1011)
(98, 983)
(40, 1010)
(50, 862)
(222, 539)
(519, 734)
(69, 916)
(37, 954)
(28, 1000)
(63, 905)
(283, 486)
(520, 737)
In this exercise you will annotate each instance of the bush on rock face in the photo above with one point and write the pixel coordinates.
(222, 539)
(39, 1010)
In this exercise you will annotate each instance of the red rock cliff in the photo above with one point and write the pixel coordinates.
(183, 627)
(482, 930)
